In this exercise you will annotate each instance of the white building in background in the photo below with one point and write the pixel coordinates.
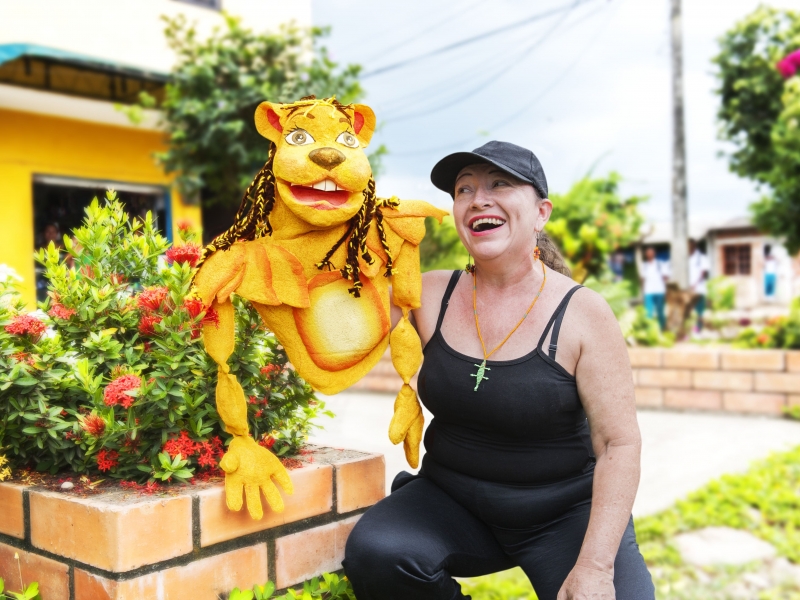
(737, 250)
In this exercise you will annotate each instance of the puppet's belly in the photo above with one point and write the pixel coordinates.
(339, 330)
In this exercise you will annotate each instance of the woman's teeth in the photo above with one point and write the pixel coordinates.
(487, 223)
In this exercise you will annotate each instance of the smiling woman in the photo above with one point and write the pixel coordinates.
(532, 458)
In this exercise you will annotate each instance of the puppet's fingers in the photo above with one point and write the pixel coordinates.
(253, 496)
(233, 491)
(281, 477)
(273, 496)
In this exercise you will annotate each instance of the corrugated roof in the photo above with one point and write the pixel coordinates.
(10, 52)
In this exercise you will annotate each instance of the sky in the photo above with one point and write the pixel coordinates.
(586, 88)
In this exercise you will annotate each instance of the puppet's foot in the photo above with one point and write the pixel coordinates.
(251, 468)
(412, 441)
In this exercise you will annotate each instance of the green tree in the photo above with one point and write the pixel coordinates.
(760, 115)
(441, 248)
(215, 88)
(590, 221)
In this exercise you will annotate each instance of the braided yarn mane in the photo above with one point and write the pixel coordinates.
(252, 218)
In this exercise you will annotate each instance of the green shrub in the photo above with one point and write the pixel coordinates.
(641, 330)
(332, 587)
(779, 332)
(31, 592)
(111, 377)
(721, 293)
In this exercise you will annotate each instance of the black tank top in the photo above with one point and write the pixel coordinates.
(525, 423)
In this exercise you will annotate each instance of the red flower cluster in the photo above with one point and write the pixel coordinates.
(118, 279)
(147, 324)
(271, 370)
(182, 445)
(188, 253)
(143, 488)
(195, 307)
(93, 425)
(210, 453)
(256, 401)
(184, 225)
(152, 299)
(107, 459)
(115, 391)
(59, 311)
(267, 442)
(24, 357)
(26, 325)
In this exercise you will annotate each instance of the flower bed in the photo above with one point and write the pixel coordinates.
(110, 376)
(119, 543)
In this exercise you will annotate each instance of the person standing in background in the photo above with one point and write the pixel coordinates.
(770, 273)
(698, 281)
(654, 286)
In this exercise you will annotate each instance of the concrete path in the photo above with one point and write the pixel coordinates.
(681, 451)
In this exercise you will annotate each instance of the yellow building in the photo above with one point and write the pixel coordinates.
(64, 70)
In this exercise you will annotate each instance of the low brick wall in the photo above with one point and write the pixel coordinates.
(685, 377)
(185, 543)
(742, 381)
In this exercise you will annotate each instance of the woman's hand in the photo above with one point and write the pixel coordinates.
(587, 583)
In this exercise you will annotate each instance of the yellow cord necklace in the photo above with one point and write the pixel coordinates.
(482, 368)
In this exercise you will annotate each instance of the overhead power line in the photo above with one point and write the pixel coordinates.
(512, 63)
(472, 40)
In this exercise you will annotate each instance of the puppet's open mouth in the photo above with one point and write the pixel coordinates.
(486, 224)
(325, 195)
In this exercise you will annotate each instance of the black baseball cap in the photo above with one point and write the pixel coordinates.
(513, 159)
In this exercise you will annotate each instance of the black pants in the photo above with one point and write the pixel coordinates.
(441, 524)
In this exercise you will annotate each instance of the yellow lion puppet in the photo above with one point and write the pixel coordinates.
(315, 251)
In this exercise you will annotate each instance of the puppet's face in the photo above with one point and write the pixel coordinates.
(320, 166)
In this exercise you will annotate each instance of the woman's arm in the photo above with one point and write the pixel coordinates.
(605, 385)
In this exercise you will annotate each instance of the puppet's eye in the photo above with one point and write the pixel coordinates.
(299, 137)
(347, 139)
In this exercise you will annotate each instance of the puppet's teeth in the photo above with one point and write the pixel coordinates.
(326, 185)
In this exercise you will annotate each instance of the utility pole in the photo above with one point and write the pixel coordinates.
(679, 253)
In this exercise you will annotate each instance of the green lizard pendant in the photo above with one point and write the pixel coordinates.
(480, 375)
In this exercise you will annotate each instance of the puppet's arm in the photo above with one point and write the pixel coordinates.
(406, 348)
(248, 467)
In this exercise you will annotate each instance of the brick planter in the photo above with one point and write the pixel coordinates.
(185, 543)
(696, 378)
(686, 377)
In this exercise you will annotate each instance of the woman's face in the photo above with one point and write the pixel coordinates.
(496, 213)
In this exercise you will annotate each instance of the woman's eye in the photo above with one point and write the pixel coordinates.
(497, 183)
(348, 139)
(299, 137)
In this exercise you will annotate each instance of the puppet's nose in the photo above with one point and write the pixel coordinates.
(327, 158)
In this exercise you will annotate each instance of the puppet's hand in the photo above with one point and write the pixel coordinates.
(250, 467)
(406, 425)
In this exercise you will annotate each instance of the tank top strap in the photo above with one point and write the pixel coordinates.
(555, 323)
(446, 298)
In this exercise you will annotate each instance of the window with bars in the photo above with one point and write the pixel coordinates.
(737, 259)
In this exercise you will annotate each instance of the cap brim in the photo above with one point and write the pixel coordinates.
(444, 172)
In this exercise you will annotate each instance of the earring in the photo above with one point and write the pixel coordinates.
(470, 268)
(536, 252)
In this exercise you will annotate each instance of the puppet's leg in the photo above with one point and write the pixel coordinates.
(406, 348)
(248, 467)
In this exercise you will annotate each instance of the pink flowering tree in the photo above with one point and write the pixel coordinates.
(111, 376)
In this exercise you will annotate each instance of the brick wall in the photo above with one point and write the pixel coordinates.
(185, 543)
(742, 381)
(685, 377)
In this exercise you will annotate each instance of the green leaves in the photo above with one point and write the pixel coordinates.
(759, 113)
(332, 587)
(218, 82)
(58, 407)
